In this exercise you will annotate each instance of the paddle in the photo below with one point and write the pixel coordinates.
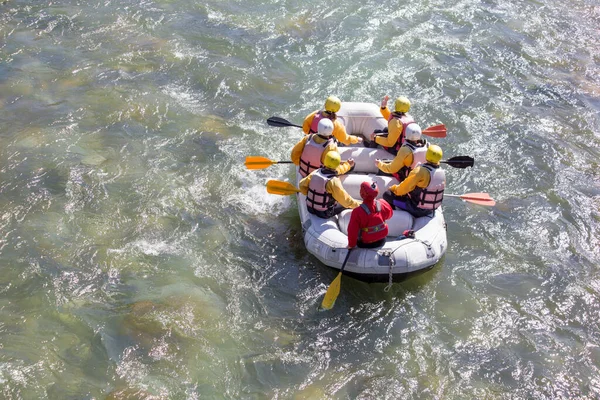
(257, 162)
(437, 131)
(285, 189)
(279, 122)
(456, 162)
(333, 291)
(460, 161)
(483, 199)
(280, 187)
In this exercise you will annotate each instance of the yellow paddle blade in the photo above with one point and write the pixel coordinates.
(332, 293)
(257, 162)
(281, 188)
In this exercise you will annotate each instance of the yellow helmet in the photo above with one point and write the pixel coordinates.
(332, 159)
(333, 104)
(434, 154)
(402, 105)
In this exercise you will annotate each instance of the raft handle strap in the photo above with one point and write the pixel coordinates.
(430, 253)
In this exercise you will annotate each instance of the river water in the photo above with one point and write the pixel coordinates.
(139, 259)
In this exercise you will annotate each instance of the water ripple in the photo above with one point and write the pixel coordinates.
(140, 259)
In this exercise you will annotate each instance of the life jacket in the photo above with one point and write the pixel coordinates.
(406, 120)
(314, 125)
(418, 151)
(376, 229)
(311, 154)
(431, 197)
(317, 198)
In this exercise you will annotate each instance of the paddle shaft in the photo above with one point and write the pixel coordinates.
(345, 260)
(433, 131)
(456, 162)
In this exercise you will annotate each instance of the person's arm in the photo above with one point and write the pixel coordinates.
(385, 111)
(417, 177)
(334, 186)
(404, 158)
(303, 184)
(308, 122)
(298, 149)
(353, 228)
(339, 132)
(394, 131)
(344, 167)
(386, 210)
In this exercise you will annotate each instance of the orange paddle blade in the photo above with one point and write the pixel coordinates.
(281, 188)
(438, 131)
(483, 199)
(256, 162)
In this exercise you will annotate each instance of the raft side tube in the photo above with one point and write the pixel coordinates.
(361, 118)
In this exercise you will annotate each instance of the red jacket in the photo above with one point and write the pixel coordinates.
(371, 227)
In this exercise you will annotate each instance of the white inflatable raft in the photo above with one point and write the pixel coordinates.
(400, 257)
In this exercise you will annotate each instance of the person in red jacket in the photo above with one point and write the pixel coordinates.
(367, 227)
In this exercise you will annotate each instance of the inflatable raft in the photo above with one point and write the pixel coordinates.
(401, 257)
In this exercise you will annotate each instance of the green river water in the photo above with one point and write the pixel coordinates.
(140, 259)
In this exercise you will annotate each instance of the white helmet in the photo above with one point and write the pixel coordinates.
(325, 127)
(413, 132)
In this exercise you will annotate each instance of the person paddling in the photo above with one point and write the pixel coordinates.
(398, 120)
(423, 190)
(411, 154)
(332, 106)
(310, 151)
(325, 195)
(367, 227)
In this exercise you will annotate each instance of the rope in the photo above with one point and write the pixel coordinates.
(389, 285)
(389, 253)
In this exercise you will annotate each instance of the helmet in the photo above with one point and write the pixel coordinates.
(368, 190)
(413, 132)
(434, 154)
(332, 159)
(333, 104)
(402, 105)
(325, 127)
